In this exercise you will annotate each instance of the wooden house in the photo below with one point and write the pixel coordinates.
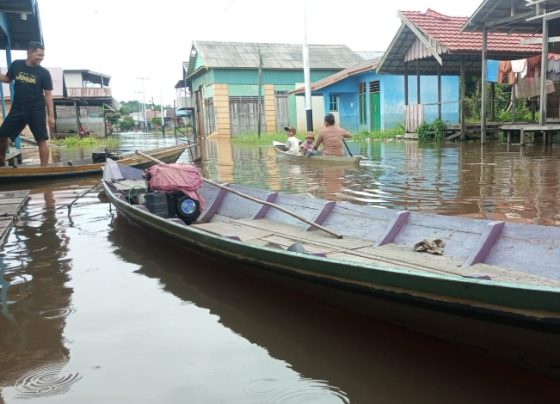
(431, 43)
(363, 100)
(224, 82)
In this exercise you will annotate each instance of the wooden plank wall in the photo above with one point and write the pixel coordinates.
(414, 116)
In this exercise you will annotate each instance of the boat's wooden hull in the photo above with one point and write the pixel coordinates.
(71, 169)
(514, 320)
(322, 160)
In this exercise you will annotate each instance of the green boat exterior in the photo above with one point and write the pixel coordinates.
(510, 311)
(72, 169)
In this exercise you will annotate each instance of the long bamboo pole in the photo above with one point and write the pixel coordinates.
(257, 200)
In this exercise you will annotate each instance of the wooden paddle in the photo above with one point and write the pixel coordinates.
(347, 148)
(251, 198)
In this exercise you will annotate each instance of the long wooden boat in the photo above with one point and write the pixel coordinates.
(87, 166)
(346, 160)
(496, 285)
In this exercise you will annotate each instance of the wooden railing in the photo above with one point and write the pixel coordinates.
(83, 92)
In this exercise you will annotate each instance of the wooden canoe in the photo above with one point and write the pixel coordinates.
(346, 160)
(87, 166)
(496, 286)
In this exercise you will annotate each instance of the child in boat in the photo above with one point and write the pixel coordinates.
(292, 145)
(307, 146)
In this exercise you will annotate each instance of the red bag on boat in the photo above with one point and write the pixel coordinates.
(177, 177)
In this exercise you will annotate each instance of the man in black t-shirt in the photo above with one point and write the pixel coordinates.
(32, 93)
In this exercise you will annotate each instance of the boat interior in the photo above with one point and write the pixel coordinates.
(374, 235)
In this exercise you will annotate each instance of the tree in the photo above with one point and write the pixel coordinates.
(130, 106)
(126, 123)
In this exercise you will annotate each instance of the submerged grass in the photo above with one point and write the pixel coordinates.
(86, 141)
(267, 138)
(264, 139)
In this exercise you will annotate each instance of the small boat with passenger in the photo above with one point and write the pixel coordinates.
(315, 159)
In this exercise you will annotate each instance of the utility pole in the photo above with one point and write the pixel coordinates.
(259, 102)
(161, 111)
(306, 72)
(144, 101)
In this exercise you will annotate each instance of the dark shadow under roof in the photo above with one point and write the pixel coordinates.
(423, 35)
(91, 76)
(513, 16)
(22, 23)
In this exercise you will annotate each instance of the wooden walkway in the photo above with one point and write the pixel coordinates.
(520, 131)
(11, 203)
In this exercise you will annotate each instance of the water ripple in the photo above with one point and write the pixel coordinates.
(300, 391)
(45, 381)
(57, 313)
(314, 391)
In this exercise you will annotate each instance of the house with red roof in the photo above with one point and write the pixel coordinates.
(431, 43)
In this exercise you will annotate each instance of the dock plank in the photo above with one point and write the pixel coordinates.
(11, 202)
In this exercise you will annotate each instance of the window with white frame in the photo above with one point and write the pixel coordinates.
(333, 103)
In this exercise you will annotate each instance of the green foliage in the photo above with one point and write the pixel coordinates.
(365, 135)
(113, 118)
(85, 141)
(265, 139)
(502, 103)
(130, 106)
(126, 123)
(434, 131)
(155, 121)
(522, 114)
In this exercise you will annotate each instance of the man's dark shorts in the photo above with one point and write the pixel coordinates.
(17, 119)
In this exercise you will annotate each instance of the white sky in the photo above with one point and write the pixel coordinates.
(127, 39)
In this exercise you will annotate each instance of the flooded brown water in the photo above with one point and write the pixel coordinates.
(96, 310)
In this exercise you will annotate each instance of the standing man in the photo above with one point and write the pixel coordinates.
(331, 137)
(32, 94)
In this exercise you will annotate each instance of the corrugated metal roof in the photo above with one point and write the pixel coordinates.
(244, 55)
(512, 16)
(363, 66)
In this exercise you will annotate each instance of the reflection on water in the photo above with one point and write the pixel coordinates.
(338, 355)
(494, 182)
(95, 309)
(35, 296)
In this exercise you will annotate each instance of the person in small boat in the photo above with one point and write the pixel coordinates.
(332, 138)
(32, 94)
(307, 146)
(292, 144)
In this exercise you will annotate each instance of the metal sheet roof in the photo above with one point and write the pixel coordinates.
(513, 16)
(362, 67)
(22, 23)
(91, 76)
(244, 55)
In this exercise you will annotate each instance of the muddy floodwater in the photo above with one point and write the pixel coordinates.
(94, 309)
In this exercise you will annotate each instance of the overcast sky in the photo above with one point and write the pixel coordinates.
(127, 39)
